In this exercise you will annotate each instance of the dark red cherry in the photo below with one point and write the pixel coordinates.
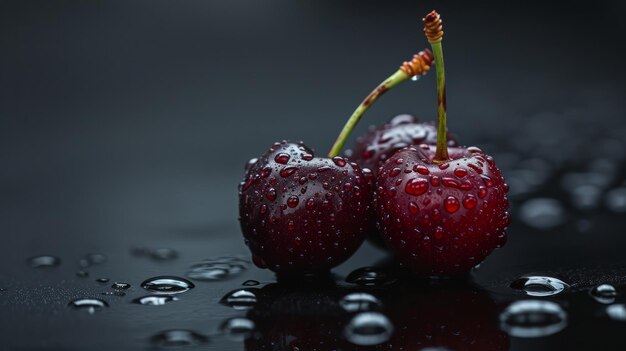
(301, 213)
(375, 147)
(442, 219)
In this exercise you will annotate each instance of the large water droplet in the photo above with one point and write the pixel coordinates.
(178, 337)
(416, 186)
(240, 300)
(451, 204)
(155, 300)
(238, 328)
(167, 285)
(542, 213)
(368, 328)
(44, 261)
(617, 312)
(534, 285)
(369, 276)
(533, 318)
(282, 158)
(218, 269)
(604, 293)
(358, 302)
(89, 305)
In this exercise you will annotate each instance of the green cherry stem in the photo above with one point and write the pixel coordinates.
(434, 33)
(419, 65)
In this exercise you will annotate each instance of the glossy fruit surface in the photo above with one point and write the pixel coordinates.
(442, 219)
(300, 213)
(380, 143)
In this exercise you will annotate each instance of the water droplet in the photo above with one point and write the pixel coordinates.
(421, 169)
(415, 78)
(178, 337)
(339, 161)
(533, 318)
(163, 254)
(616, 200)
(474, 150)
(413, 208)
(358, 302)
(89, 305)
(310, 204)
(120, 286)
(167, 285)
(369, 276)
(617, 312)
(469, 201)
(416, 186)
(539, 285)
(250, 283)
(266, 171)
(82, 274)
(44, 261)
(542, 213)
(114, 293)
(102, 280)
(450, 182)
(293, 201)
(263, 209)
(307, 157)
(92, 259)
(241, 300)
(394, 172)
(238, 328)
(604, 293)
(451, 204)
(460, 172)
(586, 197)
(218, 268)
(487, 180)
(282, 158)
(368, 328)
(482, 192)
(444, 166)
(155, 300)
(271, 194)
(287, 171)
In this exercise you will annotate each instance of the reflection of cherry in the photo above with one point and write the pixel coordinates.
(448, 318)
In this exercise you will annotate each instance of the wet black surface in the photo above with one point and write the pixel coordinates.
(125, 127)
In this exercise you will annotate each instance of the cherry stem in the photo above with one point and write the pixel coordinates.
(419, 65)
(433, 30)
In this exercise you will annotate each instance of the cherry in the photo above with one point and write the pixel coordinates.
(300, 213)
(375, 147)
(441, 211)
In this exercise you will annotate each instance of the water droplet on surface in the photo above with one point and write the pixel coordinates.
(238, 328)
(102, 280)
(358, 302)
(339, 161)
(89, 305)
(534, 285)
(250, 283)
(155, 300)
(287, 171)
(178, 337)
(293, 201)
(460, 172)
(167, 285)
(533, 319)
(282, 158)
(413, 208)
(307, 157)
(542, 213)
(368, 328)
(271, 194)
(82, 274)
(120, 286)
(617, 312)
(394, 172)
(469, 201)
(163, 254)
(616, 200)
(421, 169)
(416, 186)
(451, 204)
(415, 78)
(114, 293)
(369, 276)
(241, 300)
(44, 261)
(218, 269)
(604, 293)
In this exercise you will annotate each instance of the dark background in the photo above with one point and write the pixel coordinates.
(127, 123)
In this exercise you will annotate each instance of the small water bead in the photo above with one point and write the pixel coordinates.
(271, 194)
(460, 172)
(421, 169)
(218, 268)
(444, 166)
(533, 318)
(416, 186)
(469, 201)
(163, 254)
(293, 201)
(114, 293)
(487, 180)
(287, 171)
(435, 181)
(155, 300)
(616, 200)
(240, 300)
(482, 192)
(540, 285)
(238, 328)
(167, 285)
(310, 204)
(413, 208)
(251, 283)
(307, 157)
(282, 158)
(450, 182)
(356, 302)
(120, 286)
(542, 213)
(394, 172)
(368, 328)
(451, 204)
(369, 276)
(604, 293)
(263, 209)
(617, 312)
(102, 280)
(44, 261)
(178, 337)
(82, 274)
(339, 161)
(89, 305)
(266, 171)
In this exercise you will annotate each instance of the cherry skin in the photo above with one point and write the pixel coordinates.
(300, 213)
(441, 219)
(375, 147)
